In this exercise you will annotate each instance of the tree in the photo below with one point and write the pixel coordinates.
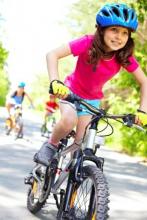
(4, 82)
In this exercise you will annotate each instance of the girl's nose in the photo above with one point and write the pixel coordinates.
(119, 36)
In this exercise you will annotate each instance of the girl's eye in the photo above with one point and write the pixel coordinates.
(126, 33)
(114, 29)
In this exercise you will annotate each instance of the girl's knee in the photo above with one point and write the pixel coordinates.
(68, 123)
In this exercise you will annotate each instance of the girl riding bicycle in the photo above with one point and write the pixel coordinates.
(50, 108)
(100, 57)
(17, 97)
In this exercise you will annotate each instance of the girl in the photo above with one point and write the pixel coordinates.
(50, 106)
(100, 57)
(17, 97)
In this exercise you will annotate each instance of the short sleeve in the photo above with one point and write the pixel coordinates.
(80, 45)
(133, 64)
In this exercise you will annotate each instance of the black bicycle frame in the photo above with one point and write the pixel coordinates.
(76, 173)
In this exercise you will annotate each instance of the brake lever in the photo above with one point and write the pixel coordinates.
(129, 120)
(139, 128)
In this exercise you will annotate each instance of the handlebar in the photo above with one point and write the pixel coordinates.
(18, 106)
(126, 119)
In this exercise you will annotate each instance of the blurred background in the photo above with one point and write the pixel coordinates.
(30, 28)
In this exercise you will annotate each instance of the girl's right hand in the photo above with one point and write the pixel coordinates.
(58, 89)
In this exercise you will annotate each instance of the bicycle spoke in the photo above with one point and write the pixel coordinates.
(81, 198)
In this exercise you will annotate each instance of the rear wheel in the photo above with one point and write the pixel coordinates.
(39, 192)
(89, 199)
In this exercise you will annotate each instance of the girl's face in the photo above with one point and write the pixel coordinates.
(115, 38)
(20, 89)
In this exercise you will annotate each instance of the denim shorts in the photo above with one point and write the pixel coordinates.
(95, 103)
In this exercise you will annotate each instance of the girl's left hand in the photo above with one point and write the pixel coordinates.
(141, 118)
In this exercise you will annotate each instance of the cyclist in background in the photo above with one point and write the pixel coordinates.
(17, 97)
(100, 57)
(50, 106)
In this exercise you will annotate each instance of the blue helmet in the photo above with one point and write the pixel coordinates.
(21, 85)
(117, 14)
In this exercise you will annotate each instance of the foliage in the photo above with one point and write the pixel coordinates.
(4, 82)
(3, 56)
(141, 7)
(4, 86)
(139, 146)
(40, 91)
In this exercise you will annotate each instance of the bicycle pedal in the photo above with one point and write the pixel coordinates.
(28, 180)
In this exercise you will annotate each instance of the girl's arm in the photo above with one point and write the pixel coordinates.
(52, 60)
(29, 98)
(142, 80)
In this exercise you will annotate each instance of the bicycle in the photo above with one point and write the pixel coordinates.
(47, 126)
(15, 122)
(86, 195)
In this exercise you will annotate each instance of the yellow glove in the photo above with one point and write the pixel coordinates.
(142, 116)
(58, 88)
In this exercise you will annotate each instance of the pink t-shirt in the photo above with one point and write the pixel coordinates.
(85, 82)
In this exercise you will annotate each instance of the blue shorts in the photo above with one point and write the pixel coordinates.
(95, 103)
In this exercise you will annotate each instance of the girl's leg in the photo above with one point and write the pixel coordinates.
(82, 123)
(66, 123)
(8, 107)
(80, 129)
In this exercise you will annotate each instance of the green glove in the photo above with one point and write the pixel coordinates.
(142, 117)
(58, 88)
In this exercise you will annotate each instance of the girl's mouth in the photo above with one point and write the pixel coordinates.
(116, 43)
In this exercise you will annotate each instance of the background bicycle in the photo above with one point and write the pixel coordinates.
(51, 105)
(15, 122)
(48, 125)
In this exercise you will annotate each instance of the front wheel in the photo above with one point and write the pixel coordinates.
(19, 127)
(89, 199)
(8, 126)
(43, 129)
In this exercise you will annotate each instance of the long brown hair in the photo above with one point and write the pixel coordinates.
(97, 49)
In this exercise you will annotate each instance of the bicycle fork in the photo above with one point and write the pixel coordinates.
(75, 175)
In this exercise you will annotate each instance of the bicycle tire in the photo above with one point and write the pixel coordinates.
(95, 206)
(35, 204)
(43, 130)
(8, 130)
(19, 127)
(8, 126)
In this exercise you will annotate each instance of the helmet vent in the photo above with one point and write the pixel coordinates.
(105, 13)
(125, 12)
(133, 15)
(116, 11)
